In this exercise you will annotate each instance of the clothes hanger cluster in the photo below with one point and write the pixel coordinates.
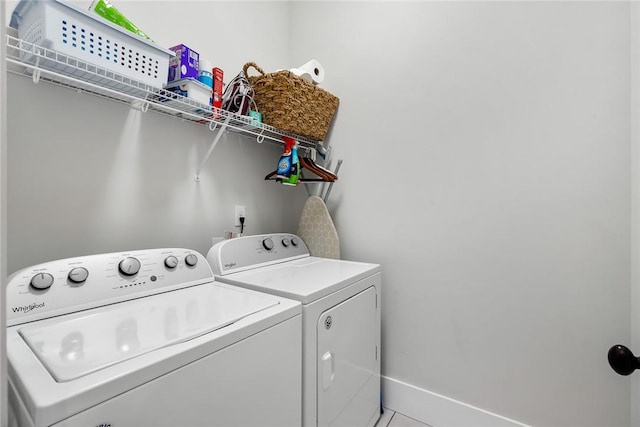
(309, 164)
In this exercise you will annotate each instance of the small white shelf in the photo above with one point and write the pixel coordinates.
(43, 64)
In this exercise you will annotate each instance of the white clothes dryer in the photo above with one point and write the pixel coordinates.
(340, 320)
(148, 338)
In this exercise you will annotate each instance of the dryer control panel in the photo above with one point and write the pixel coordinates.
(245, 253)
(74, 284)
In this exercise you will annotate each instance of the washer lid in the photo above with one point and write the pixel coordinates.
(305, 280)
(76, 345)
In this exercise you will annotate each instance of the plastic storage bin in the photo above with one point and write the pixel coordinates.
(186, 95)
(193, 89)
(65, 28)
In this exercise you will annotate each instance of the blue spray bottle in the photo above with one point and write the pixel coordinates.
(283, 171)
(294, 176)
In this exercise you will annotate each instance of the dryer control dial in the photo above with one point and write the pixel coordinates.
(191, 260)
(78, 275)
(267, 243)
(294, 241)
(129, 266)
(42, 281)
(286, 242)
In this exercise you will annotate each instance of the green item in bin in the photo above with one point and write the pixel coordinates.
(110, 13)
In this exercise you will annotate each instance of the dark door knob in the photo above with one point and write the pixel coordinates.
(622, 360)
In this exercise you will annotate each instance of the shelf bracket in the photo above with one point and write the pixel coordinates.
(260, 137)
(36, 71)
(326, 195)
(223, 127)
(142, 105)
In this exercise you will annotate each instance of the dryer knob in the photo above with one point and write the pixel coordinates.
(129, 266)
(191, 260)
(267, 244)
(171, 262)
(294, 241)
(78, 275)
(286, 242)
(42, 281)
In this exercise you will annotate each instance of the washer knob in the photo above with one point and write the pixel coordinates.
(191, 260)
(171, 262)
(129, 266)
(285, 242)
(42, 281)
(267, 243)
(294, 241)
(78, 275)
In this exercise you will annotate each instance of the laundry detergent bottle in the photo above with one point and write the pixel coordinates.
(283, 171)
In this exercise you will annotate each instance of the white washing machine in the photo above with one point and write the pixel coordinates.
(340, 321)
(148, 338)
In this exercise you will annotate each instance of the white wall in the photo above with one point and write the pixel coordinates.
(3, 217)
(89, 176)
(486, 166)
(635, 202)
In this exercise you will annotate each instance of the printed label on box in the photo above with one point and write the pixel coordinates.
(185, 64)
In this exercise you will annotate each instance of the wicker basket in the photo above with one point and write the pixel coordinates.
(290, 103)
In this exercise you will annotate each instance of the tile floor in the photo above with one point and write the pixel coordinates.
(396, 419)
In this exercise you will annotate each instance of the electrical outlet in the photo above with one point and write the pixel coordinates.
(240, 211)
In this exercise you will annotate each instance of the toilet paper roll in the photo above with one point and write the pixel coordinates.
(302, 74)
(312, 71)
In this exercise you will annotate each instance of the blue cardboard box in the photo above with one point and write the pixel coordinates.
(185, 64)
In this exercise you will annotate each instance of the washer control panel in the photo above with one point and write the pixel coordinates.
(245, 253)
(73, 284)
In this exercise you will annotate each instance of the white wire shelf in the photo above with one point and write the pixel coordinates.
(42, 64)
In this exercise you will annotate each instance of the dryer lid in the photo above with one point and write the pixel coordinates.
(76, 345)
(305, 280)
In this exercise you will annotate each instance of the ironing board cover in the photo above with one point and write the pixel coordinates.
(317, 230)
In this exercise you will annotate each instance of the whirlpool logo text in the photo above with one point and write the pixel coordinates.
(27, 308)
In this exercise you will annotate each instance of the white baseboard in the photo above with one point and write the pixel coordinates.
(437, 410)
